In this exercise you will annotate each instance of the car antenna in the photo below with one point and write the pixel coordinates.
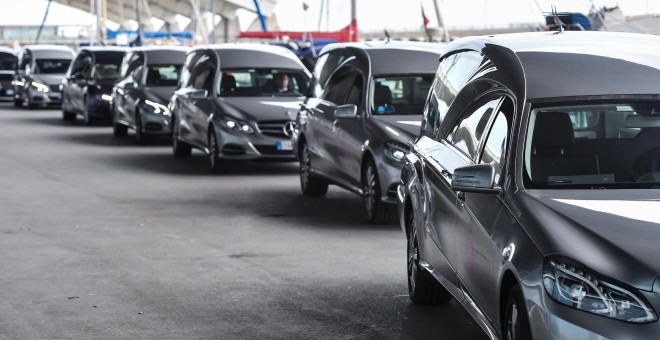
(387, 35)
(558, 21)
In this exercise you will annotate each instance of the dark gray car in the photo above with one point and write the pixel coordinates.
(365, 105)
(8, 65)
(41, 69)
(87, 87)
(149, 76)
(238, 102)
(531, 196)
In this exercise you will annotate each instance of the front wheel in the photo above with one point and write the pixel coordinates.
(179, 149)
(139, 134)
(423, 289)
(214, 151)
(89, 120)
(377, 211)
(18, 103)
(310, 184)
(515, 322)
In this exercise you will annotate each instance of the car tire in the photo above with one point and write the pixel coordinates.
(119, 130)
(179, 149)
(377, 211)
(215, 162)
(423, 289)
(139, 134)
(310, 184)
(18, 103)
(515, 324)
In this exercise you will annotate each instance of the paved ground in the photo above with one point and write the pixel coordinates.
(100, 238)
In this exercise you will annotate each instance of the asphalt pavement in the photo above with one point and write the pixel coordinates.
(104, 239)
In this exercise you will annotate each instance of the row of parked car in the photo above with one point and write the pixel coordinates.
(524, 169)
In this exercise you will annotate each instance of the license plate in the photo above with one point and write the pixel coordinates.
(284, 145)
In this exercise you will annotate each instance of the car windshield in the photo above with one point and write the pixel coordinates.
(400, 95)
(51, 66)
(163, 75)
(105, 71)
(595, 145)
(262, 82)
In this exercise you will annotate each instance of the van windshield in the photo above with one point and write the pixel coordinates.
(400, 95)
(595, 145)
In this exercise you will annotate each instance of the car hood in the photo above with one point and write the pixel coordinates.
(48, 79)
(160, 94)
(614, 233)
(260, 108)
(410, 124)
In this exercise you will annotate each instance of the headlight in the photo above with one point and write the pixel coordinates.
(158, 108)
(106, 97)
(575, 288)
(39, 86)
(395, 150)
(237, 125)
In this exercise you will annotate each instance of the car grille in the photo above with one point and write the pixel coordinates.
(233, 150)
(272, 150)
(273, 128)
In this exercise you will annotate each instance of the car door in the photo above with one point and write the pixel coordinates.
(312, 116)
(119, 91)
(349, 134)
(477, 214)
(134, 87)
(196, 102)
(324, 146)
(21, 83)
(78, 82)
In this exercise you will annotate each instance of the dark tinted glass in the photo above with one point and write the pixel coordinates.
(51, 66)
(400, 95)
(8, 61)
(163, 75)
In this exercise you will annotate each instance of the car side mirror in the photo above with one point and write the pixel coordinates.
(198, 94)
(346, 111)
(478, 178)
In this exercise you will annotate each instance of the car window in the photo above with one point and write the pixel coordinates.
(162, 75)
(594, 145)
(191, 60)
(400, 95)
(51, 66)
(494, 152)
(453, 73)
(338, 86)
(254, 82)
(355, 94)
(324, 67)
(468, 131)
(7, 61)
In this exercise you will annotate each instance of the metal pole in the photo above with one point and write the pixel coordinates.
(226, 24)
(210, 6)
(137, 18)
(92, 30)
(441, 23)
(41, 27)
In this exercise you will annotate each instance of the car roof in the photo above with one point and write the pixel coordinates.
(50, 51)
(160, 55)
(254, 55)
(576, 64)
(396, 57)
(97, 49)
(11, 51)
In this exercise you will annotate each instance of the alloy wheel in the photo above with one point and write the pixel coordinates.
(369, 190)
(213, 150)
(413, 256)
(305, 167)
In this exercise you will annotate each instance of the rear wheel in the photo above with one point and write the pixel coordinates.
(214, 151)
(423, 289)
(515, 322)
(139, 134)
(377, 211)
(89, 120)
(310, 184)
(179, 149)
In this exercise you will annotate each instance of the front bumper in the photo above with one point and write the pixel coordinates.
(45, 98)
(235, 145)
(156, 124)
(389, 174)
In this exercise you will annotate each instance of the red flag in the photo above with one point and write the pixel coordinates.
(424, 18)
(305, 6)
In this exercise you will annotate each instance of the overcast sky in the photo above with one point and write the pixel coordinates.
(372, 14)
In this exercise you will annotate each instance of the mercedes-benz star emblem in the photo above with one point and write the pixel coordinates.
(288, 129)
